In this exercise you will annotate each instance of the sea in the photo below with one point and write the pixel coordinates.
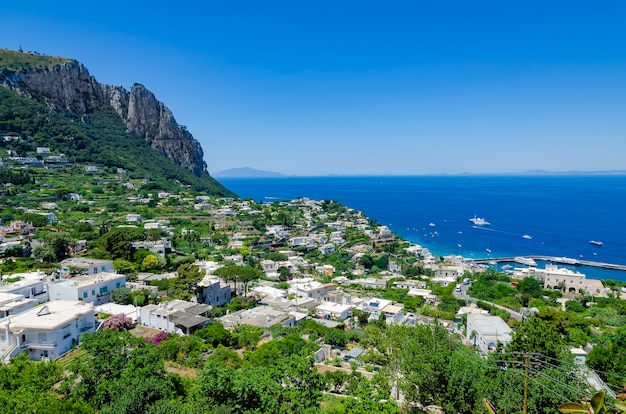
(545, 215)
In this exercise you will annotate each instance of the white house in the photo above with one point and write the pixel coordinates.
(85, 266)
(261, 316)
(133, 218)
(160, 248)
(176, 316)
(212, 291)
(29, 288)
(11, 304)
(92, 289)
(449, 272)
(489, 331)
(311, 289)
(47, 331)
(331, 310)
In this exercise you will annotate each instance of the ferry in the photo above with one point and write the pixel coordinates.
(566, 260)
(525, 261)
(478, 221)
(595, 242)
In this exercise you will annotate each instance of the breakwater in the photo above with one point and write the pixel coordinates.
(556, 260)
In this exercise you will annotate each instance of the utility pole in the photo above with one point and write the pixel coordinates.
(525, 403)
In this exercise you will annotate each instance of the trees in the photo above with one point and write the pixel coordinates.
(117, 241)
(126, 268)
(284, 274)
(56, 247)
(537, 335)
(119, 374)
(122, 295)
(185, 284)
(336, 337)
(244, 274)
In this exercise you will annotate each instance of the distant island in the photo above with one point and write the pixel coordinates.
(246, 172)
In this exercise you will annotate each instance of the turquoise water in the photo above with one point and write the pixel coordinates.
(561, 213)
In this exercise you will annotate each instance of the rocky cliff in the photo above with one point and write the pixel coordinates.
(67, 85)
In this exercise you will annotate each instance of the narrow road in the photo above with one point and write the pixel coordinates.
(464, 296)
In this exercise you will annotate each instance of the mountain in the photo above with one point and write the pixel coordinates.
(63, 107)
(246, 172)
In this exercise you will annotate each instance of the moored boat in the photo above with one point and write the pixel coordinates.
(595, 242)
(525, 261)
(566, 260)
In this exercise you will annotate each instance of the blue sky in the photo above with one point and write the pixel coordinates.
(327, 87)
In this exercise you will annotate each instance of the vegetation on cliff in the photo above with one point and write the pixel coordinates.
(99, 138)
(11, 60)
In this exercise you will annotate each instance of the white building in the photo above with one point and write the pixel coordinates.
(331, 310)
(375, 306)
(159, 248)
(85, 266)
(29, 288)
(311, 289)
(91, 289)
(261, 316)
(554, 277)
(176, 316)
(449, 272)
(490, 330)
(213, 291)
(12, 304)
(47, 331)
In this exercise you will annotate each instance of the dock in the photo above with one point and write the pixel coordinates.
(553, 259)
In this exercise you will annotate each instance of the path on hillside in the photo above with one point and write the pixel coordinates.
(464, 296)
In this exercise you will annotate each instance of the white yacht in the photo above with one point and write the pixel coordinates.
(478, 221)
(527, 237)
(525, 261)
(566, 260)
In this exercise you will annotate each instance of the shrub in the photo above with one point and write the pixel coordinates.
(119, 322)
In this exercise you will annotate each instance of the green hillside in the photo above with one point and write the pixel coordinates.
(99, 138)
(12, 60)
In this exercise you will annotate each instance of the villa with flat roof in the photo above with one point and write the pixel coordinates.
(45, 332)
(490, 330)
(85, 266)
(94, 289)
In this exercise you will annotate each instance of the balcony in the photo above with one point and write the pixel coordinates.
(39, 345)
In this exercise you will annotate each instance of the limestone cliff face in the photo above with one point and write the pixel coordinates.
(69, 86)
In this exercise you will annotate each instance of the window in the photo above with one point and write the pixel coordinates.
(104, 290)
(93, 292)
(85, 295)
(117, 285)
(42, 336)
(102, 268)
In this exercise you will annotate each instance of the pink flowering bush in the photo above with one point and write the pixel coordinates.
(119, 322)
(158, 338)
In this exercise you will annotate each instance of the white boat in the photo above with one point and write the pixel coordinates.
(566, 260)
(431, 224)
(488, 250)
(478, 221)
(527, 237)
(595, 242)
(525, 261)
